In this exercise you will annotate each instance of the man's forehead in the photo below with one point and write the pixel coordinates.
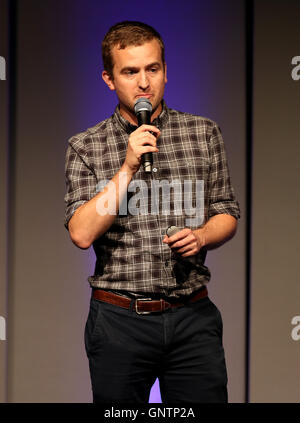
(147, 51)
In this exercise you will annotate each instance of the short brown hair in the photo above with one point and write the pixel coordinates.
(128, 33)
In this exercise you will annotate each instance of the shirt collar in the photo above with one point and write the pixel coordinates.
(160, 121)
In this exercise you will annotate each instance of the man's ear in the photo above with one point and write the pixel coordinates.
(108, 80)
(166, 80)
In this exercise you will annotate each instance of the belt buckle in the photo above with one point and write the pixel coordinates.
(136, 305)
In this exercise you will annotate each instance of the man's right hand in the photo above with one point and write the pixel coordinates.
(139, 142)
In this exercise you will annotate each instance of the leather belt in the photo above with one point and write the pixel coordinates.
(145, 305)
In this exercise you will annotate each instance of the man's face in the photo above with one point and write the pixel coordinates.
(138, 72)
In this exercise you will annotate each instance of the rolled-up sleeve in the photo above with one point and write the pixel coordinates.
(221, 193)
(80, 180)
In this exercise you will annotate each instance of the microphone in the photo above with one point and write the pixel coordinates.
(172, 230)
(142, 110)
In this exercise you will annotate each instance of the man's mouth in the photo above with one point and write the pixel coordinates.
(144, 95)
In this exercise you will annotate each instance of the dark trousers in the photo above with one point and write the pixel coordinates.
(181, 346)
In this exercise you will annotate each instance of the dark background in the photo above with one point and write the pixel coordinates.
(227, 60)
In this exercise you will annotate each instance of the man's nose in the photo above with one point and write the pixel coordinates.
(143, 80)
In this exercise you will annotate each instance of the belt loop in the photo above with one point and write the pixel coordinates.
(162, 304)
(132, 304)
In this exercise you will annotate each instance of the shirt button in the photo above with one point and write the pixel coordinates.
(154, 169)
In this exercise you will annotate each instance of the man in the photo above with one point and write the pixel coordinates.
(150, 315)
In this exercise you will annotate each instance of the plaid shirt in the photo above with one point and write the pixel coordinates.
(131, 257)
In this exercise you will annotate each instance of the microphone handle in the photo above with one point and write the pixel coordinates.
(172, 230)
(144, 118)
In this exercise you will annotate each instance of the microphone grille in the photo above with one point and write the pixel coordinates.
(142, 103)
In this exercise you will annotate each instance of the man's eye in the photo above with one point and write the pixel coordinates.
(130, 72)
(153, 70)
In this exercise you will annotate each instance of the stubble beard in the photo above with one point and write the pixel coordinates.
(130, 109)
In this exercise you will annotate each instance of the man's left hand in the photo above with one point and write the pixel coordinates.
(185, 242)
